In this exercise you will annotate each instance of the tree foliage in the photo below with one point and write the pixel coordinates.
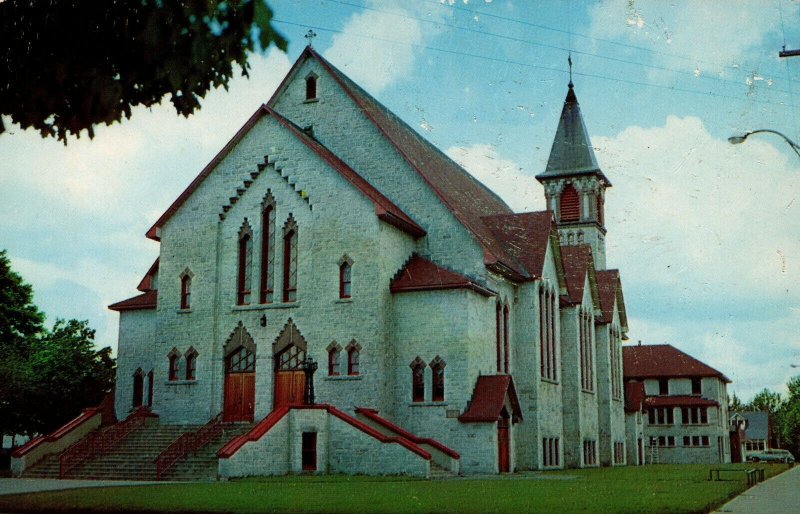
(46, 376)
(70, 65)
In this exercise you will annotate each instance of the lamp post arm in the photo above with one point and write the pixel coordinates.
(794, 145)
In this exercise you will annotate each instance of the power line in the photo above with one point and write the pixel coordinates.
(555, 47)
(525, 65)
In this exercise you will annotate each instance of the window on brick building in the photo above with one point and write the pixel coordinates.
(353, 358)
(499, 336)
(589, 453)
(311, 87)
(150, 388)
(569, 204)
(345, 279)
(186, 291)
(550, 455)
(243, 282)
(191, 363)
(697, 386)
(138, 388)
(267, 281)
(660, 416)
(505, 339)
(437, 383)
(585, 329)
(663, 386)
(290, 260)
(174, 362)
(418, 380)
(334, 353)
(694, 415)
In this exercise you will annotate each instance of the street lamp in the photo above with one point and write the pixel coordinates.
(735, 140)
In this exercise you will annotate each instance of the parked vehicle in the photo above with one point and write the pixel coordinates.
(775, 455)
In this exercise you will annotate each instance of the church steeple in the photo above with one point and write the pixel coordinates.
(573, 183)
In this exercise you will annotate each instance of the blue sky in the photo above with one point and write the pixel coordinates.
(706, 234)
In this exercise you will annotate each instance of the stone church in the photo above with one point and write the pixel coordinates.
(362, 304)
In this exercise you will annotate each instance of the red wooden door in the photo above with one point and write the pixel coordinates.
(290, 388)
(240, 395)
(503, 445)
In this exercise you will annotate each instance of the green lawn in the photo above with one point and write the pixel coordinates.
(659, 488)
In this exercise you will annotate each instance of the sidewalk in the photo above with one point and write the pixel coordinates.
(35, 485)
(777, 495)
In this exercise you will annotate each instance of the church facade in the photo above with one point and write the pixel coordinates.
(444, 327)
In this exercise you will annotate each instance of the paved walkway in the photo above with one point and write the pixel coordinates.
(35, 485)
(780, 494)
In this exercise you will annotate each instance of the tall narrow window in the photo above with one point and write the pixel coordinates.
(267, 281)
(600, 208)
(663, 386)
(697, 386)
(353, 358)
(437, 384)
(174, 363)
(333, 359)
(505, 339)
(544, 353)
(290, 261)
(344, 280)
(186, 291)
(150, 388)
(245, 265)
(570, 204)
(138, 388)
(191, 363)
(499, 336)
(418, 380)
(311, 87)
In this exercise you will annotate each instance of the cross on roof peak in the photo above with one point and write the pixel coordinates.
(310, 35)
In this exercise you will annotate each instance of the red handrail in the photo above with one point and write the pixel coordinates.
(98, 443)
(187, 443)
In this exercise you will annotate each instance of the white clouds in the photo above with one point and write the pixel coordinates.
(365, 50)
(710, 35)
(521, 192)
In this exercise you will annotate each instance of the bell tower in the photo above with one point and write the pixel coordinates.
(574, 185)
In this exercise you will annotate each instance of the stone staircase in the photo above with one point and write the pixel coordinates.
(133, 458)
(440, 473)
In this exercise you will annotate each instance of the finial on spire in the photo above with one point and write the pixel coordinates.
(310, 35)
(569, 61)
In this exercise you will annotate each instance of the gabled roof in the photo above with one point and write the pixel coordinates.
(577, 261)
(663, 361)
(147, 281)
(420, 274)
(384, 208)
(489, 398)
(634, 396)
(757, 424)
(526, 236)
(571, 153)
(609, 289)
(144, 301)
(467, 198)
(679, 401)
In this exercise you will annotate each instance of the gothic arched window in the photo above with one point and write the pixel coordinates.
(243, 284)
(311, 87)
(353, 358)
(334, 353)
(290, 261)
(191, 363)
(186, 291)
(437, 383)
(345, 280)
(569, 205)
(138, 388)
(418, 380)
(267, 250)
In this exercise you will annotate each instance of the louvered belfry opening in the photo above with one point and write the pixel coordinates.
(570, 205)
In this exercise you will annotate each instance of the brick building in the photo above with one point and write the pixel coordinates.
(446, 328)
(684, 405)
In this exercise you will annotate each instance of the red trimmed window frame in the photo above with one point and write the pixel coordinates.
(186, 291)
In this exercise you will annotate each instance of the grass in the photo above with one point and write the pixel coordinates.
(659, 488)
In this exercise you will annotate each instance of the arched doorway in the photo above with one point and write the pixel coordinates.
(240, 377)
(503, 442)
(290, 379)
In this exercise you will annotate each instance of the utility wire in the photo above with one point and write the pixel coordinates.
(555, 47)
(525, 65)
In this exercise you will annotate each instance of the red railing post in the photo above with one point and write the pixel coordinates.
(187, 443)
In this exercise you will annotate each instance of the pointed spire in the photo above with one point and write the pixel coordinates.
(571, 153)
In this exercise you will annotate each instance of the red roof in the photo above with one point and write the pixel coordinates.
(577, 262)
(607, 289)
(526, 237)
(141, 302)
(489, 399)
(467, 198)
(634, 396)
(663, 361)
(420, 274)
(679, 401)
(147, 281)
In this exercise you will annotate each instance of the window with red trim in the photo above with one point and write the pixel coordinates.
(570, 204)
(267, 280)
(344, 280)
(290, 261)
(245, 266)
(353, 357)
(333, 361)
(174, 363)
(437, 383)
(186, 291)
(191, 363)
(418, 380)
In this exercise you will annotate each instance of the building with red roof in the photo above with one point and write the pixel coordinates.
(684, 408)
(362, 304)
